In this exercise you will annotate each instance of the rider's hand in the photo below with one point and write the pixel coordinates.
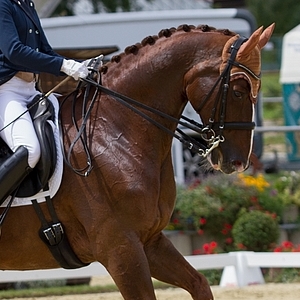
(75, 69)
(94, 63)
(87, 61)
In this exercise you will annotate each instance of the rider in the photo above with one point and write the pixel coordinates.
(24, 53)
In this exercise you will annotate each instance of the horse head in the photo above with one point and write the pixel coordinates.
(227, 109)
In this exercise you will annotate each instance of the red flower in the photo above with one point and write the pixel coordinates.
(213, 245)
(274, 216)
(200, 231)
(210, 248)
(205, 247)
(195, 184)
(228, 226)
(224, 231)
(254, 199)
(229, 240)
(241, 246)
(287, 244)
(196, 251)
(202, 221)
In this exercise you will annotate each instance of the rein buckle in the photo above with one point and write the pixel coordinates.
(214, 143)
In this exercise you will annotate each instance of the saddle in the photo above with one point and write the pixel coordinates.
(43, 116)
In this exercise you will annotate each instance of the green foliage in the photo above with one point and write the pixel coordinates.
(213, 205)
(213, 276)
(56, 291)
(285, 275)
(195, 204)
(271, 202)
(255, 231)
(284, 13)
(270, 85)
(288, 186)
(66, 6)
(273, 112)
(36, 284)
(113, 5)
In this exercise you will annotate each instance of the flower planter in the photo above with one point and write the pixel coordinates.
(290, 214)
(181, 240)
(188, 241)
(283, 235)
(290, 232)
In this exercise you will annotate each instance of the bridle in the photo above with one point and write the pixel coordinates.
(207, 132)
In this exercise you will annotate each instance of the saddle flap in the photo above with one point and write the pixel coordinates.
(43, 115)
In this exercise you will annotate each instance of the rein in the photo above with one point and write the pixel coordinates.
(207, 132)
(86, 109)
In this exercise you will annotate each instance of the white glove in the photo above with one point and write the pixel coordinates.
(75, 69)
(87, 61)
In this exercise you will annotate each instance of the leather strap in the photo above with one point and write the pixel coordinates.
(53, 235)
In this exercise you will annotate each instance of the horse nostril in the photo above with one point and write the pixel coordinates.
(237, 165)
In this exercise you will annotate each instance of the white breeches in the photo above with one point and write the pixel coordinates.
(15, 95)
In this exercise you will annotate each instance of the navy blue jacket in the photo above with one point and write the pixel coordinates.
(23, 44)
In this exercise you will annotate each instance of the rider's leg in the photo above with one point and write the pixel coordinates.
(14, 97)
(13, 171)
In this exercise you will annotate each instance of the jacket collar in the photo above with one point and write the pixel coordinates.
(27, 10)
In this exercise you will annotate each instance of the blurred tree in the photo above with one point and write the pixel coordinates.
(66, 7)
(284, 13)
(229, 3)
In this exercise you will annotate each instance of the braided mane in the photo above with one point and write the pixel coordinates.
(150, 40)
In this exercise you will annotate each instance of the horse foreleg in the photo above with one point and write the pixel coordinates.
(128, 266)
(168, 265)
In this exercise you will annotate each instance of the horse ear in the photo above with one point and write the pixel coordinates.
(265, 36)
(252, 42)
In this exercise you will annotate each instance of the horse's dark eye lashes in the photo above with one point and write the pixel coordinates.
(238, 94)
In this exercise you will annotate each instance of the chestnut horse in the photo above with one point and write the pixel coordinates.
(116, 214)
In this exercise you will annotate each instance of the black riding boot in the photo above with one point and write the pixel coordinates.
(13, 171)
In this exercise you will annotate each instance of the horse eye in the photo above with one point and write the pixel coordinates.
(238, 94)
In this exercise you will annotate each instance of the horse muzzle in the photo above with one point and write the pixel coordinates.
(229, 165)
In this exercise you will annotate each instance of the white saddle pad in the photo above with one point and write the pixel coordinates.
(55, 180)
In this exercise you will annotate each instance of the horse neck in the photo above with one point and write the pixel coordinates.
(156, 74)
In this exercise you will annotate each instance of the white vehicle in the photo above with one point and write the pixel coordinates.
(115, 31)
